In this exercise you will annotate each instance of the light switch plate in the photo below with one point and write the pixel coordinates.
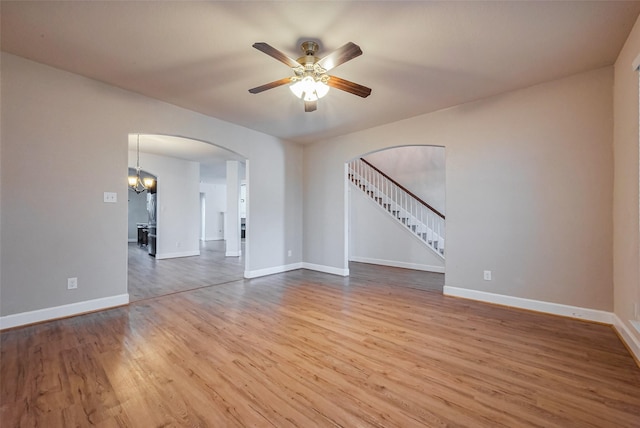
(110, 197)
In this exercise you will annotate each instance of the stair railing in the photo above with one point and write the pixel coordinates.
(419, 217)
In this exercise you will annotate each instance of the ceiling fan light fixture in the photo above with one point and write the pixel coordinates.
(311, 81)
(321, 89)
(309, 89)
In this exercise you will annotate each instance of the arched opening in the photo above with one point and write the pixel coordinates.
(188, 213)
(396, 208)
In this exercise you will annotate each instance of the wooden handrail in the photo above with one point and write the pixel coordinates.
(438, 213)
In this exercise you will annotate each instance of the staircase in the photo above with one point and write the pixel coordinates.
(419, 218)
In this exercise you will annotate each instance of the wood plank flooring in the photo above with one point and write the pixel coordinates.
(381, 348)
(149, 277)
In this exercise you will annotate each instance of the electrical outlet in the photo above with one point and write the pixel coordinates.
(72, 283)
(289, 253)
(487, 275)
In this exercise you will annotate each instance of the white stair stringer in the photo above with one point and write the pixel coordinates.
(420, 220)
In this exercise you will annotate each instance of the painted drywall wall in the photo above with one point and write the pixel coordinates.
(626, 256)
(528, 190)
(74, 131)
(281, 230)
(420, 169)
(215, 197)
(178, 204)
(376, 237)
(233, 247)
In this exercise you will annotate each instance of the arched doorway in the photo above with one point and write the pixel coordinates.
(396, 208)
(191, 212)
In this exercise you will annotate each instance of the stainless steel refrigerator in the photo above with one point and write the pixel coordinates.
(153, 211)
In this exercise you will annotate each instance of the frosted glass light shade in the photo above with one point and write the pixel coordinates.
(309, 89)
(321, 89)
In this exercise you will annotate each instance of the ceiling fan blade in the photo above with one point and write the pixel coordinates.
(310, 106)
(271, 85)
(347, 86)
(275, 53)
(340, 56)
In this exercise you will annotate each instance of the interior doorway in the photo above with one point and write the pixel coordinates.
(191, 202)
(395, 208)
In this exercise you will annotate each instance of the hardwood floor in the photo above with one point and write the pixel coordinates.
(148, 277)
(381, 348)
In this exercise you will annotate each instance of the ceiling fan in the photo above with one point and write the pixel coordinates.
(311, 81)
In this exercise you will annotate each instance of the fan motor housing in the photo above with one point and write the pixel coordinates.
(309, 48)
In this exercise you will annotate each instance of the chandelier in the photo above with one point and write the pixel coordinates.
(136, 183)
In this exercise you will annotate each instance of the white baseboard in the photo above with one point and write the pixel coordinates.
(532, 305)
(132, 240)
(47, 314)
(285, 268)
(233, 253)
(160, 256)
(628, 337)
(326, 269)
(393, 263)
(272, 270)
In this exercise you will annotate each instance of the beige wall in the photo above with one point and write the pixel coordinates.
(529, 183)
(64, 143)
(625, 203)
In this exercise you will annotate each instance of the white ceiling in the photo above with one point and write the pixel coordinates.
(418, 56)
